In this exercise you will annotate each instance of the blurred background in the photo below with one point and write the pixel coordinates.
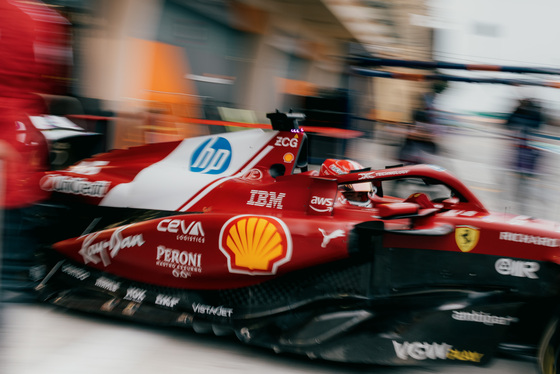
(129, 72)
(147, 71)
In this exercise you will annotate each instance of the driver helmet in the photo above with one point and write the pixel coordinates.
(334, 167)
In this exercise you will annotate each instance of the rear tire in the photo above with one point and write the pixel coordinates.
(549, 348)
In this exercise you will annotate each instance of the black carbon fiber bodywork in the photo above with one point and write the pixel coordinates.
(380, 306)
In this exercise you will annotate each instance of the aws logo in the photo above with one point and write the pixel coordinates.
(322, 204)
(211, 157)
(255, 245)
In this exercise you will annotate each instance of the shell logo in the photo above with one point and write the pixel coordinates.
(255, 245)
(289, 158)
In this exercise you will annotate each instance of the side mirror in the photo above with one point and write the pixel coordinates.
(397, 209)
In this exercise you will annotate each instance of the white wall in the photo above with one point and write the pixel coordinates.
(501, 32)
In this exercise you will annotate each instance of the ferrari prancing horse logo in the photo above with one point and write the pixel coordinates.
(466, 237)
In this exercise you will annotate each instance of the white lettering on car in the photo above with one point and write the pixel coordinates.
(286, 142)
(463, 213)
(75, 186)
(433, 351)
(515, 268)
(167, 301)
(374, 174)
(368, 175)
(107, 284)
(75, 272)
(529, 239)
(191, 232)
(268, 199)
(482, 317)
(218, 311)
(421, 351)
(325, 203)
(135, 294)
(178, 257)
(182, 263)
(106, 249)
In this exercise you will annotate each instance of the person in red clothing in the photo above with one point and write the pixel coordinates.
(23, 68)
(25, 71)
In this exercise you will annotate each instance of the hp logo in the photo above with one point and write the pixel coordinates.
(211, 157)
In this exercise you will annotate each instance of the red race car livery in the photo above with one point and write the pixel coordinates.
(232, 233)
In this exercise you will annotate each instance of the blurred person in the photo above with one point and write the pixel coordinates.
(429, 100)
(420, 141)
(23, 149)
(420, 144)
(526, 118)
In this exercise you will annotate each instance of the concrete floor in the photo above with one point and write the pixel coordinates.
(41, 339)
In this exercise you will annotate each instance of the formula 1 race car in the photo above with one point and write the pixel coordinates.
(233, 233)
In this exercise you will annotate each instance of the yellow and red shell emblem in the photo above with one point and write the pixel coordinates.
(255, 245)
